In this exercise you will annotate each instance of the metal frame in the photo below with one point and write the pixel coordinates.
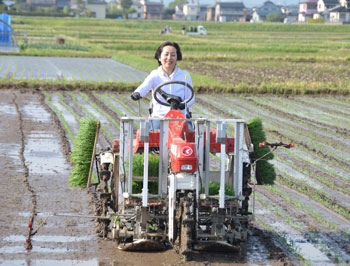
(202, 125)
(163, 157)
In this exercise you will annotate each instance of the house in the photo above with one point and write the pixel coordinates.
(345, 3)
(49, 3)
(191, 11)
(152, 10)
(194, 12)
(9, 3)
(322, 8)
(138, 14)
(307, 9)
(247, 15)
(340, 14)
(62, 3)
(229, 11)
(74, 4)
(260, 13)
(98, 8)
(290, 13)
(179, 14)
(324, 5)
(145, 9)
(210, 13)
(203, 9)
(41, 3)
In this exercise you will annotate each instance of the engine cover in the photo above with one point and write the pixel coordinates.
(183, 157)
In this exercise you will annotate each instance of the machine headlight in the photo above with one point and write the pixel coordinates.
(186, 167)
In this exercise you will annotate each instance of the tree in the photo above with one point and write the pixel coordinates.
(3, 8)
(177, 2)
(80, 6)
(125, 4)
(54, 9)
(66, 10)
(274, 17)
(114, 11)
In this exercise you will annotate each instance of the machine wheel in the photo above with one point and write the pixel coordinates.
(187, 224)
(115, 185)
(104, 200)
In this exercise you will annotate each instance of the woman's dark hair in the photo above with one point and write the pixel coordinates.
(160, 50)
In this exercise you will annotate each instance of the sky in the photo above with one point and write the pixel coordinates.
(247, 3)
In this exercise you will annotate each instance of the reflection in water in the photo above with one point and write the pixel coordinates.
(36, 248)
(92, 262)
(48, 238)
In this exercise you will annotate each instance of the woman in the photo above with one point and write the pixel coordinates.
(167, 56)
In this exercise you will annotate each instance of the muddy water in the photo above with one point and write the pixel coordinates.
(48, 173)
(12, 189)
(319, 162)
(93, 262)
(293, 238)
(286, 127)
(315, 110)
(72, 122)
(325, 229)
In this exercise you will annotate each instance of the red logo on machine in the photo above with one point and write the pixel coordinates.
(187, 151)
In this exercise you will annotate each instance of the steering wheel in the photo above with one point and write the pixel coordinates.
(169, 97)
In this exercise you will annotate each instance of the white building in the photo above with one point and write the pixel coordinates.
(260, 13)
(229, 11)
(98, 8)
(191, 11)
(339, 14)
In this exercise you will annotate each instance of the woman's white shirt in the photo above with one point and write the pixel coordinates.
(157, 77)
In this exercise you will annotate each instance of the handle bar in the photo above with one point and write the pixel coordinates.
(276, 144)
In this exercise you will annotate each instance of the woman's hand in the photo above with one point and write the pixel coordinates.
(135, 96)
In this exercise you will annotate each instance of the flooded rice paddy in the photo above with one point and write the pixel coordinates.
(303, 218)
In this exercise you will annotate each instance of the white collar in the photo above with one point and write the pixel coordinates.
(162, 72)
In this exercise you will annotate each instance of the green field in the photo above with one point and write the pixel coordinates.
(233, 57)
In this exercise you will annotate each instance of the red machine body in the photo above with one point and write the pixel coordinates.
(181, 142)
